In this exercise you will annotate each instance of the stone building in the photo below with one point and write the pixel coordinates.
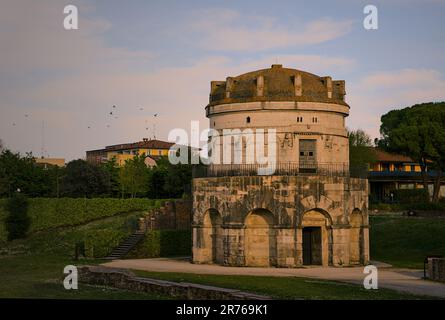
(311, 211)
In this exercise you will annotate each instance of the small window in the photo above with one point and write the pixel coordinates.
(311, 153)
(301, 153)
(299, 119)
(248, 119)
(314, 120)
(214, 123)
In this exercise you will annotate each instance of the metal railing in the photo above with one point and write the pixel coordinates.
(280, 169)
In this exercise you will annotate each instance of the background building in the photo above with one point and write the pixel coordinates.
(391, 172)
(59, 162)
(152, 148)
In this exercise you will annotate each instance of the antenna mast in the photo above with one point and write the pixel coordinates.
(43, 140)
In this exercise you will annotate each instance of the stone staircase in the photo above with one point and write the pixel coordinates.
(125, 246)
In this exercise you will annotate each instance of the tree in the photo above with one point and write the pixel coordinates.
(418, 132)
(112, 169)
(361, 151)
(17, 221)
(83, 179)
(178, 180)
(21, 172)
(133, 176)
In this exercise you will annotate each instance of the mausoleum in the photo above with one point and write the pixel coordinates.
(312, 210)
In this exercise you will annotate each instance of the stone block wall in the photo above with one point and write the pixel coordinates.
(436, 269)
(125, 279)
(174, 215)
(335, 207)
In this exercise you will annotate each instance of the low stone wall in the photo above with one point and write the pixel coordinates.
(436, 269)
(125, 279)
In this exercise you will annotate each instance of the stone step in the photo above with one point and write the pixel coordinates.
(125, 246)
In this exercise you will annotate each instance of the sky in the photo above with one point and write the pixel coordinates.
(58, 87)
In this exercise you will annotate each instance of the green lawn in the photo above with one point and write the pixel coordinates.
(285, 287)
(405, 241)
(40, 276)
(33, 267)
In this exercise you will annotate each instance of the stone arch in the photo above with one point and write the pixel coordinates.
(316, 237)
(322, 203)
(356, 237)
(213, 236)
(260, 246)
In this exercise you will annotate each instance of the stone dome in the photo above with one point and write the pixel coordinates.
(277, 84)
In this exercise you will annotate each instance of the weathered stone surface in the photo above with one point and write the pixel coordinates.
(293, 217)
(174, 215)
(260, 222)
(436, 269)
(124, 279)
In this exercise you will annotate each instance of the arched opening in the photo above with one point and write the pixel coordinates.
(355, 237)
(260, 239)
(213, 235)
(316, 238)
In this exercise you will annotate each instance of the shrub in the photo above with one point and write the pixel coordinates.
(50, 213)
(17, 221)
(405, 196)
(427, 206)
(386, 206)
(163, 243)
(100, 243)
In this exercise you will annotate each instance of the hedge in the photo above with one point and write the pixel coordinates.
(50, 213)
(406, 196)
(163, 243)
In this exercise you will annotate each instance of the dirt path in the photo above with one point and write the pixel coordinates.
(405, 280)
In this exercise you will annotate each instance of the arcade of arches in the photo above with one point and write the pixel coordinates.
(261, 242)
(301, 226)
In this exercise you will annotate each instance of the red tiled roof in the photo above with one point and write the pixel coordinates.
(149, 144)
(383, 156)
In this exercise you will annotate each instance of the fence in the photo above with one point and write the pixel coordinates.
(280, 168)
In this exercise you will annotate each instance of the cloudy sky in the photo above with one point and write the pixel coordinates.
(148, 57)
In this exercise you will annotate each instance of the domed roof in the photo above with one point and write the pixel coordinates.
(277, 84)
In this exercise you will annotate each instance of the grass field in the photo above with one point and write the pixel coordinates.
(285, 287)
(33, 267)
(405, 241)
(40, 276)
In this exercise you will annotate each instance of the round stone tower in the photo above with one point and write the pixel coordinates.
(310, 210)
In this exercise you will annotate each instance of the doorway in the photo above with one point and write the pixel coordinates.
(312, 246)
